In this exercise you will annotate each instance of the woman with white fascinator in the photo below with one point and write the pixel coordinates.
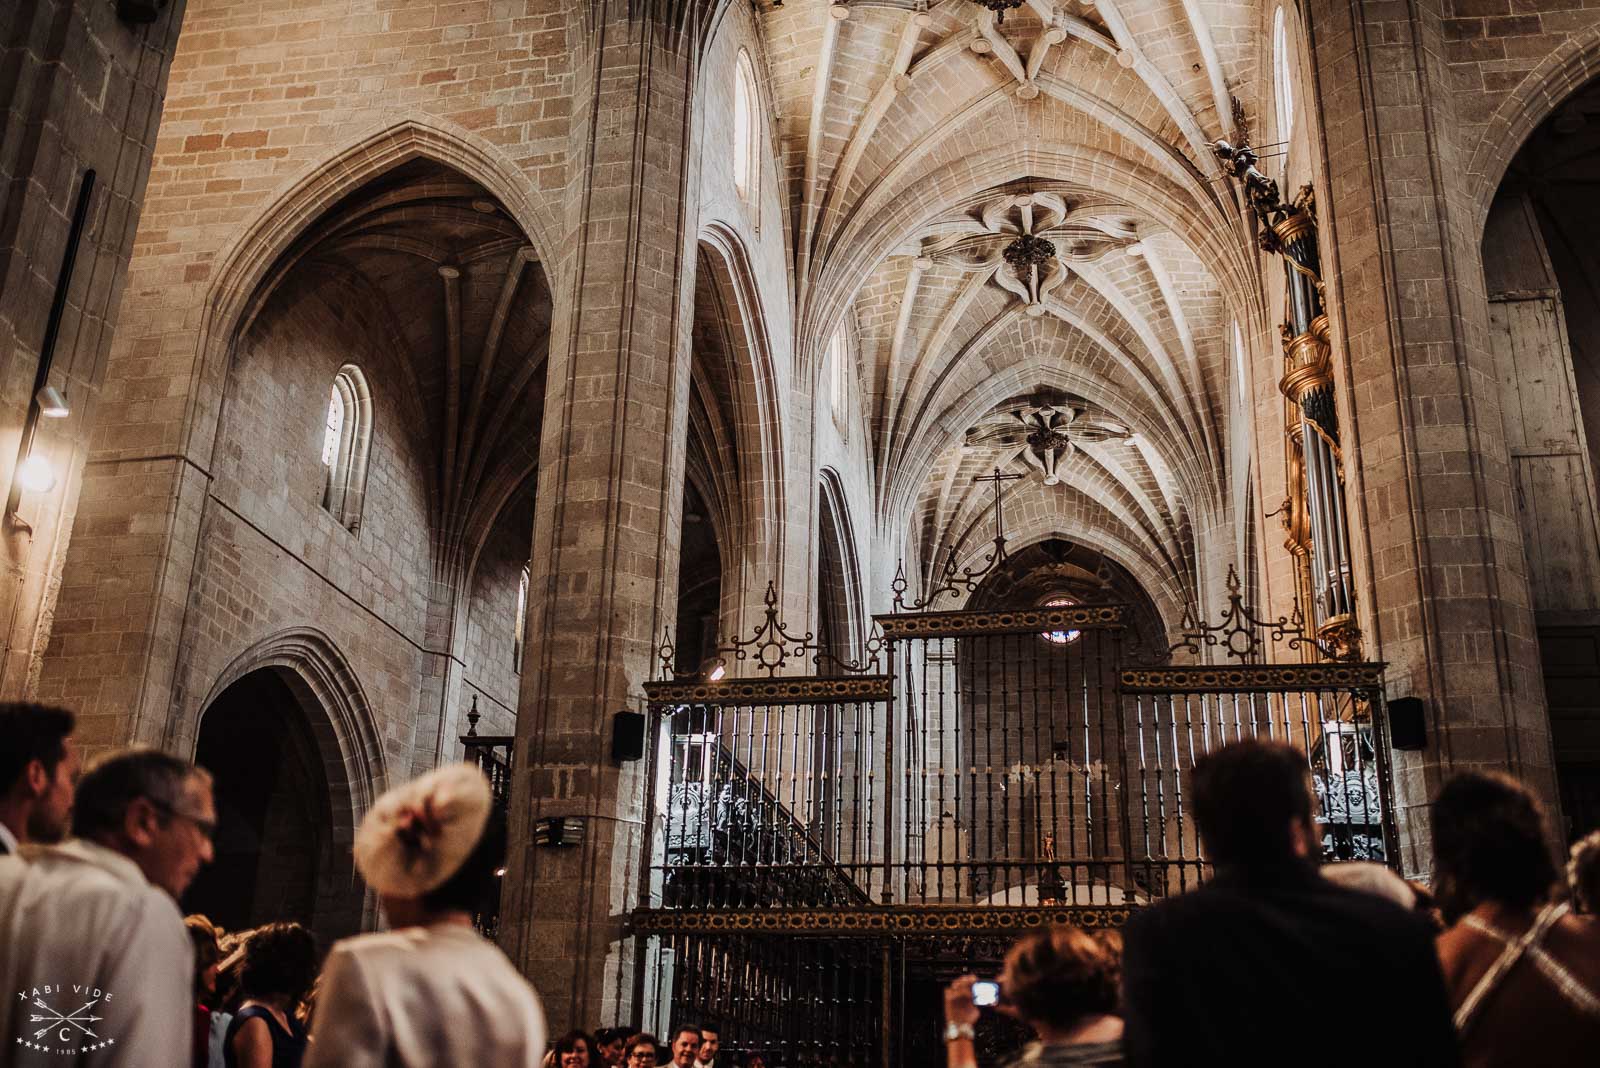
(429, 991)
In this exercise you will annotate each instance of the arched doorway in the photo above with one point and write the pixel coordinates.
(276, 857)
(1542, 279)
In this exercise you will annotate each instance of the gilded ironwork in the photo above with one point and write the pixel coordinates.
(771, 648)
(1011, 621)
(876, 922)
(1238, 633)
(797, 690)
(1255, 678)
(951, 579)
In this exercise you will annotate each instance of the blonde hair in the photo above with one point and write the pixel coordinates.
(1583, 872)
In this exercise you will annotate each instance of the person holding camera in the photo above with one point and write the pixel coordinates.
(1063, 984)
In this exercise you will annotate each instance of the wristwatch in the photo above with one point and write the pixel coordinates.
(953, 1031)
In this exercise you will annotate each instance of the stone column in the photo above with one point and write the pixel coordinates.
(1447, 604)
(607, 520)
(84, 92)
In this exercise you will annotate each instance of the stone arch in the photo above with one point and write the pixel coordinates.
(1166, 595)
(884, 217)
(754, 389)
(322, 676)
(324, 726)
(247, 264)
(839, 571)
(1572, 64)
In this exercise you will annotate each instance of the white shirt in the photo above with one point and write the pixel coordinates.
(84, 934)
(424, 997)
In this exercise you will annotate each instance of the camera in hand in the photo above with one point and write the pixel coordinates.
(985, 993)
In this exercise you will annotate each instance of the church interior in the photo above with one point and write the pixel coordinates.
(833, 465)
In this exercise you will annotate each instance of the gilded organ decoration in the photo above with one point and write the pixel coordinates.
(1314, 516)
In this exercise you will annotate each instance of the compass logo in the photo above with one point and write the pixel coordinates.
(63, 1018)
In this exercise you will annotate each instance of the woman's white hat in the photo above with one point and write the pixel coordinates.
(418, 835)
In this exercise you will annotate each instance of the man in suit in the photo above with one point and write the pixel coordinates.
(38, 764)
(1269, 963)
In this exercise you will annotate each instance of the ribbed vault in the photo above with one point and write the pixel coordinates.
(921, 144)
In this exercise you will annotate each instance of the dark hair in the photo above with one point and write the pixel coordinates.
(1246, 796)
(207, 952)
(607, 1035)
(642, 1038)
(680, 1029)
(31, 732)
(1060, 976)
(117, 779)
(474, 885)
(1489, 844)
(568, 1043)
(280, 959)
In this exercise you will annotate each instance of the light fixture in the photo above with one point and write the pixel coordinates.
(718, 670)
(35, 475)
(52, 405)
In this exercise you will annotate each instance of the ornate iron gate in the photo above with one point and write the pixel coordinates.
(824, 851)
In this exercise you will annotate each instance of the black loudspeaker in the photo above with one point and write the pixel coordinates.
(627, 736)
(1408, 726)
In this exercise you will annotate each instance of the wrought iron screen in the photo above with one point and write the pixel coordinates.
(1012, 769)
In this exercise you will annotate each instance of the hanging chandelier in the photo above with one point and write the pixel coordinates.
(1028, 251)
(999, 7)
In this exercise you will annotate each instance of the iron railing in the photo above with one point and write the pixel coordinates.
(492, 754)
(1013, 769)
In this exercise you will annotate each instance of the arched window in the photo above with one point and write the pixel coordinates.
(838, 371)
(346, 443)
(1282, 79)
(1060, 637)
(522, 621)
(746, 131)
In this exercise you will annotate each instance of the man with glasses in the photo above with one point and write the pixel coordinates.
(95, 963)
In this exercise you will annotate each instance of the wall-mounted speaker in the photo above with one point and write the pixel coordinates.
(627, 736)
(1408, 723)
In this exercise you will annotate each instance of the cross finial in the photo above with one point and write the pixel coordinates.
(999, 479)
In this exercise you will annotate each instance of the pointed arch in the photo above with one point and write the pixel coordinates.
(752, 388)
(248, 262)
(1563, 72)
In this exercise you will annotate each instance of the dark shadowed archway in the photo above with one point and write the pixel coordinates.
(277, 857)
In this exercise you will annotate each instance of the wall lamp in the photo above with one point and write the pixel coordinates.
(33, 473)
(713, 669)
(52, 405)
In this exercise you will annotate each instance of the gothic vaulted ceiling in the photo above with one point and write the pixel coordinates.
(1024, 225)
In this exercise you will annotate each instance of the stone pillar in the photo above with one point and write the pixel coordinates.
(1447, 604)
(607, 520)
(84, 92)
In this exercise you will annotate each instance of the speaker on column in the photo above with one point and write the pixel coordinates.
(627, 736)
(1408, 725)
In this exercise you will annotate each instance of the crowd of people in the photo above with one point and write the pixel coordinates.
(1277, 959)
(1281, 960)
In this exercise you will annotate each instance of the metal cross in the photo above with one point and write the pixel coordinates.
(999, 481)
